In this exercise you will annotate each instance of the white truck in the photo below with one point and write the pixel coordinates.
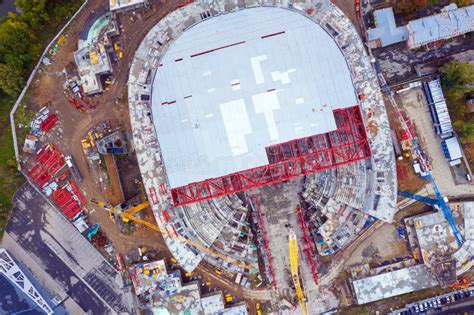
(74, 170)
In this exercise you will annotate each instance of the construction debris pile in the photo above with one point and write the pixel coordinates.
(157, 290)
(44, 122)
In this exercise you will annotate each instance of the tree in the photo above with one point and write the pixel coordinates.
(461, 3)
(455, 77)
(16, 42)
(11, 79)
(33, 12)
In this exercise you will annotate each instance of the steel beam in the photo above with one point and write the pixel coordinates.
(347, 144)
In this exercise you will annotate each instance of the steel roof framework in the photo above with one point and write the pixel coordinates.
(348, 143)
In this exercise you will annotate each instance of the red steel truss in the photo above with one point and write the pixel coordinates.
(346, 144)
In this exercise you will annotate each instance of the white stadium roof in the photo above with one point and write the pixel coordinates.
(234, 84)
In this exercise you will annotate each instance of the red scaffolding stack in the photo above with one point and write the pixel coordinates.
(65, 201)
(346, 144)
(50, 161)
(308, 244)
(49, 123)
(265, 240)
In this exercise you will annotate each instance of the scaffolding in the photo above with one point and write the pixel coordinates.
(348, 143)
(10, 269)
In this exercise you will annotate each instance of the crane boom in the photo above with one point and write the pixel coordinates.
(156, 228)
(447, 212)
(137, 208)
(293, 248)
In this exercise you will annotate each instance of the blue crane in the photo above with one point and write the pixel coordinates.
(430, 201)
(441, 202)
(448, 214)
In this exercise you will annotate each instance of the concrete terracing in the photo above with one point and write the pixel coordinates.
(381, 171)
(464, 255)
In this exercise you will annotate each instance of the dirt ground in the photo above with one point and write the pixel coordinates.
(129, 174)
(114, 192)
(410, 181)
(111, 105)
(377, 246)
(348, 7)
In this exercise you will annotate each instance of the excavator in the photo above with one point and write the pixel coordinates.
(294, 262)
(128, 215)
(461, 283)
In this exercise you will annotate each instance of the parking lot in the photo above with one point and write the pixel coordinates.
(61, 259)
(441, 304)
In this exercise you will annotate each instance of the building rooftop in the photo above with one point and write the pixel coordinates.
(157, 289)
(393, 283)
(439, 109)
(232, 85)
(451, 22)
(452, 149)
(434, 235)
(92, 61)
(386, 29)
(213, 303)
(124, 4)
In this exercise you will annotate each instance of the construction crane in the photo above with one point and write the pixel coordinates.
(156, 228)
(427, 200)
(294, 261)
(130, 210)
(417, 152)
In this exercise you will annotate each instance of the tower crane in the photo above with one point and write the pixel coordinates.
(127, 214)
(416, 151)
(294, 261)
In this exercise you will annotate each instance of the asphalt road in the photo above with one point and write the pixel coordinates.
(67, 258)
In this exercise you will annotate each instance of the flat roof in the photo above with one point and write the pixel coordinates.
(453, 148)
(122, 4)
(386, 29)
(393, 283)
(212, 304)
(234, 84)
(451, 22)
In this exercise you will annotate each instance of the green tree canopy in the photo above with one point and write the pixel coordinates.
(11, 79)
(33, 12)
(455, 77)
(16, 42)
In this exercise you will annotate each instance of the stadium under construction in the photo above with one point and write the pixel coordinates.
(231, 103)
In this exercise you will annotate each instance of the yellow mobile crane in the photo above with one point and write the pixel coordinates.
(130, 210)
(293, 248)
(154, 227)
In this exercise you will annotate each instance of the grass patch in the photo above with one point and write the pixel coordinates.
(10, 178)
(23, 117)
